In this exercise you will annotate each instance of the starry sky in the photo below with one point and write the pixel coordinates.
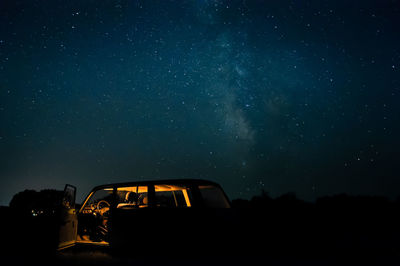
(282, 96)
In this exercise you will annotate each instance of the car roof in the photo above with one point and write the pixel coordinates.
(158, 182)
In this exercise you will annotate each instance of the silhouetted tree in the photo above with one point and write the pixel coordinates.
(24, 199)
(31, 200)
(262, 201)
(240, 203)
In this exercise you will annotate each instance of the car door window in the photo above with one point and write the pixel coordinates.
(172, 196)
(133, 197)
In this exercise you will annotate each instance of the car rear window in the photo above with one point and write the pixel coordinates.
(213, 197)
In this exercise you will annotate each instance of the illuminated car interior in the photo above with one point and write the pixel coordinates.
(94, 213)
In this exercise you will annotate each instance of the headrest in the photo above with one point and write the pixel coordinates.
(145, 200)
(131, 196)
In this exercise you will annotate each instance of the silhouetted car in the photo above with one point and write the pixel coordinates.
(145, 216)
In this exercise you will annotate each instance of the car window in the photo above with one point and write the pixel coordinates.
(102, 197)
(132, 197)
(213, 197)
(172, 196)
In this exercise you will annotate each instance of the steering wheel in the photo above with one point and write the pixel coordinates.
(103, 206)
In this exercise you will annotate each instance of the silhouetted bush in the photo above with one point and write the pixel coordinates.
(33, 202)
(333, 225)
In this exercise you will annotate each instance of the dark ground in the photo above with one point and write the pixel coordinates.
(339, 230)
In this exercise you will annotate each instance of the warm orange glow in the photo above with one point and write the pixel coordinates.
(173, 188)
(140, 189)
(84, 204)
(65, 245)
(101, 243)
(167, 188)
(185, 194)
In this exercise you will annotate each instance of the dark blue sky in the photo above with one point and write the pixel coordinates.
(298, 96)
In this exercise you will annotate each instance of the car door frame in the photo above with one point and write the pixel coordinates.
(68, 218)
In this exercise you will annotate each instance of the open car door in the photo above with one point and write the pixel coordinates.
(68, 217)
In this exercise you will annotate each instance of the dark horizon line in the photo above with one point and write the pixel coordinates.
(263, 195)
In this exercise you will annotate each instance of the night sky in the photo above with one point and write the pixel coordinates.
(281, 96)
